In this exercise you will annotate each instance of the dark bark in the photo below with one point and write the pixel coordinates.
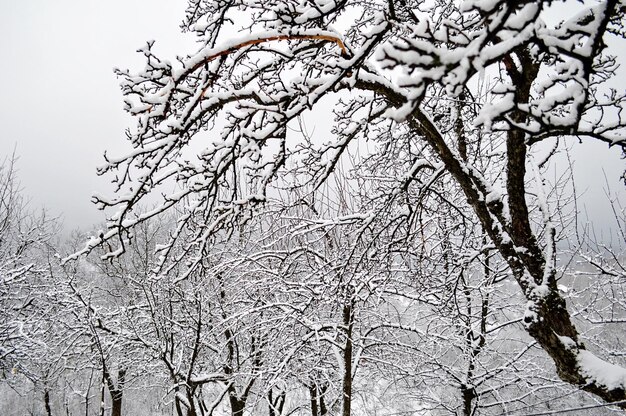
(117, 394)
(116, 405)
(318, 405)
(237, 403)
(115, 391)
(459, 128)
(468, 390)
(347, 361)
(276, 405)
(237, 406)
(191, 410)
(552, 318)
(520, 230)
(238, 400)
(313, 395)
(191, 387)
(179, 409)
(102, 394)
(87, 393)
(468, 393)
(46, 402)
(323, 410)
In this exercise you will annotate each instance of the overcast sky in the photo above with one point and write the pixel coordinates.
(60, 105)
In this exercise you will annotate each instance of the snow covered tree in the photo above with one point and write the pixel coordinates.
(476, 90)
(35, 332)
(24, 246)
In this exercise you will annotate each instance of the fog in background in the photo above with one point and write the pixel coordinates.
(61, 106)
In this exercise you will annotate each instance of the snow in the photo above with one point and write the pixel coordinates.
(484, 5)
(530, 314)
(520, 20)
(492, 111)
(550, 231)
(567, 342)
(207, 377)
(183, 399)
(598, 371)
(234, 43)
(493, 197)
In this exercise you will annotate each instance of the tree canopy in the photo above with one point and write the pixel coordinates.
(446, 116)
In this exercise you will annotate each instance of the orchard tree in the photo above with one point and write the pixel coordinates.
(476, 89)
(28, 344)
(449, 336)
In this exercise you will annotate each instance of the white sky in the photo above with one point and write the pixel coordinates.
(61, 107)
(60, 104)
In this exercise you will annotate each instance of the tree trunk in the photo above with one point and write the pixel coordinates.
(87, 403)
(118, 393)
(347, 361)
(323, 410)
(276, 405)
(318, 406)
(46, 401)
(270, 401)
(313, 394)
(551, 319)
(468, 394)
(116, 404)
(115, 391)
(237, 406)
(179, 409)
(191, 411)
(102, 389)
